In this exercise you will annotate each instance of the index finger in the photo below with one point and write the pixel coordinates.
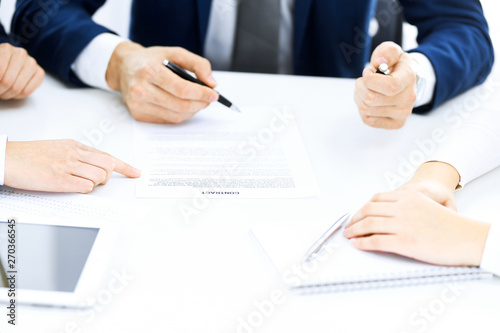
(184, 89)
(194, 63)
(379, 205)
(126, 169)
(119, 166)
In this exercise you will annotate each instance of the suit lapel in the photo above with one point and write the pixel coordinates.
(301, 16)
(203, 16)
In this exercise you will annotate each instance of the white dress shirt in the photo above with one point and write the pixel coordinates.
(91, 64)
(473, 149)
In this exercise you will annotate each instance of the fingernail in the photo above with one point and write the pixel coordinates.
(352, 241)
(137, 170)
(213, 98)
(346, 231)
(212, 80)
(381, 60)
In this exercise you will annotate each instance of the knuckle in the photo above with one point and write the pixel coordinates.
(101, 177)
(87, 187)
(393, 88)
(366, 120)
(20, 52)
(22, 95)
(23, 52)
(31, 62)
(7, 81)
(361, 243)
(412, 97)
(367, 208)
(369, 222)
(370, 98)
(363, 108)
(178, 49)
(16, 89)
(204, 63)
(136, 92)
(40, 70)
(373, 243)
(370, 121)
(146, 72)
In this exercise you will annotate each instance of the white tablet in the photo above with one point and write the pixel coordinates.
(54, 263)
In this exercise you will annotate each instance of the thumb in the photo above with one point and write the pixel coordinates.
(126, 169)
(386, 53)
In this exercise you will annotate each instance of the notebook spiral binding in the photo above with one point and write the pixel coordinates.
(413, 278)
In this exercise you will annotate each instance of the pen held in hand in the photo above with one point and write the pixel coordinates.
(186, 76)
(383, 69)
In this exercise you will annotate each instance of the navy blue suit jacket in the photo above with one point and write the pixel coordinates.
(330, 36)
(4, 38)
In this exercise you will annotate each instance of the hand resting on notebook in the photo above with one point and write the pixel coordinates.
(419, 221)
(413, 225)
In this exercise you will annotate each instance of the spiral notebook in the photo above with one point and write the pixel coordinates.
(341, 267)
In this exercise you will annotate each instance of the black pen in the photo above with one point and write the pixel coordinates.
(186, 76)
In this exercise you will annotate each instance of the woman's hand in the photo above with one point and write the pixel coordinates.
(60, 166)
(413, 225)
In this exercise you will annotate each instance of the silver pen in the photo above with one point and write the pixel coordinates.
(383, 69)
(320, 243)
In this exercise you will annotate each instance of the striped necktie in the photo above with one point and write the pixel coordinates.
(256, 42)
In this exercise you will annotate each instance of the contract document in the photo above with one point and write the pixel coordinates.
(223, 154)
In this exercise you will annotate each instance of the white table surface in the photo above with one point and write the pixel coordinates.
(206, 276)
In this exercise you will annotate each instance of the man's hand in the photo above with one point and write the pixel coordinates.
(386, 101)
(410, 224)
(20, 74)
(60, 166)
(151, 91)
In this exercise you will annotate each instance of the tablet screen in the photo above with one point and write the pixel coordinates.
(48, 257)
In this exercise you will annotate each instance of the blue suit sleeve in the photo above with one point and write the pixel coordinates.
(454, 36)
(55, 32)
(4, 38)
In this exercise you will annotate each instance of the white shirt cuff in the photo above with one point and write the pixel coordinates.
(426, 70)
(473, 148)
(491, 253)
(92, 63)
(3, 146)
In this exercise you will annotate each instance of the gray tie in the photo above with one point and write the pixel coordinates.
(256, 42)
